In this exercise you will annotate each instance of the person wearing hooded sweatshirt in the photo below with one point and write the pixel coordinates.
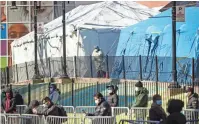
(174, 109)
(9, 103)
(102, 106)
(192, 104)
(112, 98)
(141, 95)
(156, 112)
(54, 94)
(33, 105)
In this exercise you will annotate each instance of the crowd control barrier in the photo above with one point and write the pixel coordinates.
(99, 120)
(138, 122)
(63, 120)
(21, 108)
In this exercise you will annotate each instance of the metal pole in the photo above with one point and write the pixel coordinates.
(49, 64)
(29, 93)
(140, 63)
(174, 42)
(107, 67)
(27, 75)
(16, 67)
(91, 66)
(64, 38)
(7, 76)
(156, 65)
(35, 38)
(193, 73)
(72, 92)
(75, 66)
(123, 66)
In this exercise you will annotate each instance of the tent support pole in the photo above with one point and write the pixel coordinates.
(64, 38)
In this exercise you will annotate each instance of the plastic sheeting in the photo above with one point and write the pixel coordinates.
(154, 37)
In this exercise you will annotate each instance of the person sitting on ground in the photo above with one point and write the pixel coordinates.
(33, 106)
(102, 106)
(174, 109)
(50, 108)
(54, 94)
(141, 95)
(9, 103)
(156, 112)
(112, 98)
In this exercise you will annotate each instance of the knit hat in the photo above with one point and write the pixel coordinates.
(139, 84)
(110, 87)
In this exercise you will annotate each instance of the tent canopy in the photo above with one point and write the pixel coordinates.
(96, 24)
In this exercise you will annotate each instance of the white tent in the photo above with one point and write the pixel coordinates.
(96, 24)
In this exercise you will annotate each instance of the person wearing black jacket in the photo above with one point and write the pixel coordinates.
(156, 112)
(9, 103)
(102, 108)
(174, 109)
(50, 108)
(112, 98)
(19, 98)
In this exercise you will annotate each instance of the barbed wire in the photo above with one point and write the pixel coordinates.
(186, 5)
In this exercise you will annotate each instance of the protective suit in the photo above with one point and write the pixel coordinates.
(98, 57)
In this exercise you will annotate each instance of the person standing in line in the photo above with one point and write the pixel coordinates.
(174, 109)
(141, 95)
(156, 112)
(192, 104)
(54, 94)
(112, 98)
(8, 105)
(19, 98)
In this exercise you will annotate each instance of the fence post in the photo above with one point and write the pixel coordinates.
(193, 73)
(29, 93)
(75, 66)
(107, 67)
(7, 76)
(49, 64)
(62, 65)
(123, 66)
(91, 66)
(16, 67)
(140, 63)
(27, 75)
(125, 97)
(11, 86)
(97, 86)
(49, 87)
(156, 71)
(72, 92)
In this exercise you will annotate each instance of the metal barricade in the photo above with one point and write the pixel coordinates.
(139, 113)
(36, 119)
(138, 122)
(19, 120)
(120, 113)
(99, 120)
(191, 114)
(79, 110)
(21, 108)
(3, 119)
(63, 120)
(192, 122)
(70, 110)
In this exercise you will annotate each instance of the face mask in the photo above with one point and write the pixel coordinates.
(159, 102)
(45, 105)
(110, 91)
(136, 89)
(96, 101)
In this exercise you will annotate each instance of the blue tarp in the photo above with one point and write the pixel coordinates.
(154, 37)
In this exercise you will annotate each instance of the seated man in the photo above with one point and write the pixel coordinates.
(102, 106)
(156, 112)
(51, 109)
